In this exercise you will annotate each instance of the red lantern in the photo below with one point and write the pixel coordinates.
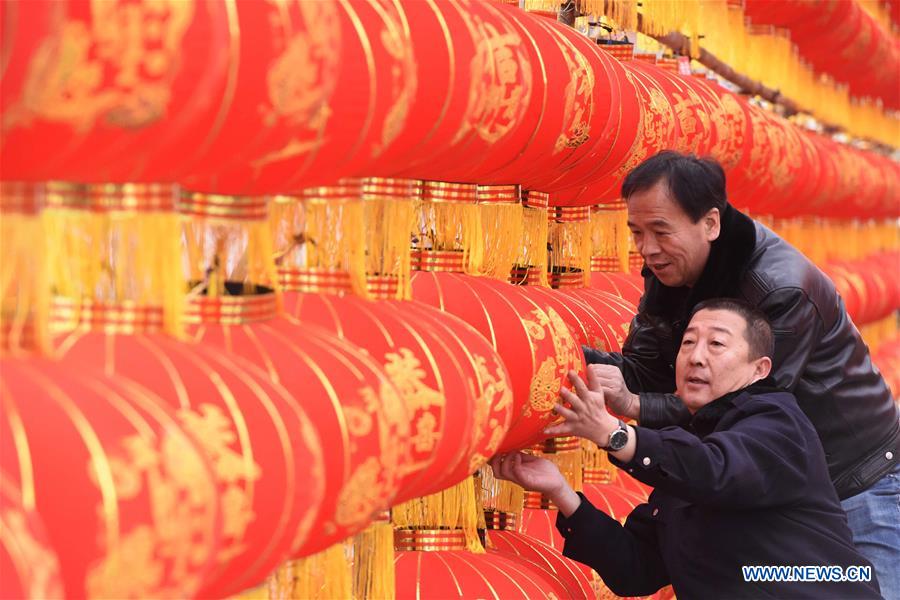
(264, 451)
(573, 575)
(536, 343)
(628, 286)
(141, 516)
(348, 397)
(585, 324)
(614, 310)
(28, 562)
(434, 564)
(106, 92)
(436, 377)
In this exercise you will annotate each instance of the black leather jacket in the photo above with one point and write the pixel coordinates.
(819, 354)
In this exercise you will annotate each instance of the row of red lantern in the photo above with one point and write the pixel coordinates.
(284, 98)
(839, 39)
(870, 287)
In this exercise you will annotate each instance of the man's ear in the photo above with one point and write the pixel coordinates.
(762, 367)
(712, 225)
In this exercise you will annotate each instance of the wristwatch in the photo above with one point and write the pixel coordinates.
(617, 438)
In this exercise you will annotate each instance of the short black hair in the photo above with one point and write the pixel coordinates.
(697, 184)
(759, 331)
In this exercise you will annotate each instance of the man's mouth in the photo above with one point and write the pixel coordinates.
(696, 381)
(659, 266)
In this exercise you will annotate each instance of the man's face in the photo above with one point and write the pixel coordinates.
(673, 247)
(714, 358)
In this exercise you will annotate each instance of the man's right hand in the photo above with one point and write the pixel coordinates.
(618, 397)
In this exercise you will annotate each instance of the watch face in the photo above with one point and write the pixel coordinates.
(618, 439)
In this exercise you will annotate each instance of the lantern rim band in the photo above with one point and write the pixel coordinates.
(499, 194)
(126, 317)
(314, 280)
(568, 279)
(429, 540)
(605, 264)
(234, 309)
(440, 260)
(525, 275)
(596, 475)
(237, 208)
(382, 287)
(536, 199)
(537, 501)
(556, 445)
(376, 188)
(498, 520)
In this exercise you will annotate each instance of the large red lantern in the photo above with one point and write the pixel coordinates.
(348, 397)
(434, 377)
(264, 451)
(586, 326)
(109, 91)
(434, 564)
(536, 345)
(141, 515)
(572, 574)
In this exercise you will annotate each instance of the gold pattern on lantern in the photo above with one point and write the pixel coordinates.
(301, 81)
(117, 67)
(578, 107)
(501, 80)
(235, 471)
(136, 565)
(395, 37)
(406, 373)
(544, 387)
(359, 422)
(362, 496)
(41, 562)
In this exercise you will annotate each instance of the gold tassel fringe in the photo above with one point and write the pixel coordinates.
(452, 508)
(445, 225)
(322, 576)
(118, 256)
(388, 223)
(321, 234)
(24, 284)
(499, 494)
(503, 227)
(373, 563)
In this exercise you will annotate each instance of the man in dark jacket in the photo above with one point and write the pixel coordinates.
(742, 485)
(696, 246)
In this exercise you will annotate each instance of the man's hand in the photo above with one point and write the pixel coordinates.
(618, 396)
(587, 418)
(531, 472)
(537, 474)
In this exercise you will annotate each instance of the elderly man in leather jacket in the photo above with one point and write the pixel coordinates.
(696, 246)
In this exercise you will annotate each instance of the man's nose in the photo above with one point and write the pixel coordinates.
(648, 247)
(698, 355)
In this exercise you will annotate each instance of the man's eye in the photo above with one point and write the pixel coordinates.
(687, 342)
(716, 343)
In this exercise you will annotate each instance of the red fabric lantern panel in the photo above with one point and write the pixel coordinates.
(588, 98)
(28, 563)
(615, 312)
(535, 345)
(476, 81)
(109, 91)
(443, 575)
(627, 286)
(491, 377)
(141, 514)
(350, 400)
(436, 381)
(577, 582)
(264, 451)
(585, 324)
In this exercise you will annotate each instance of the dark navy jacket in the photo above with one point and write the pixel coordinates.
(743, 483)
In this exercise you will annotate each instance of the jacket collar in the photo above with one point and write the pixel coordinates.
(728, 256)
(705, 420)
